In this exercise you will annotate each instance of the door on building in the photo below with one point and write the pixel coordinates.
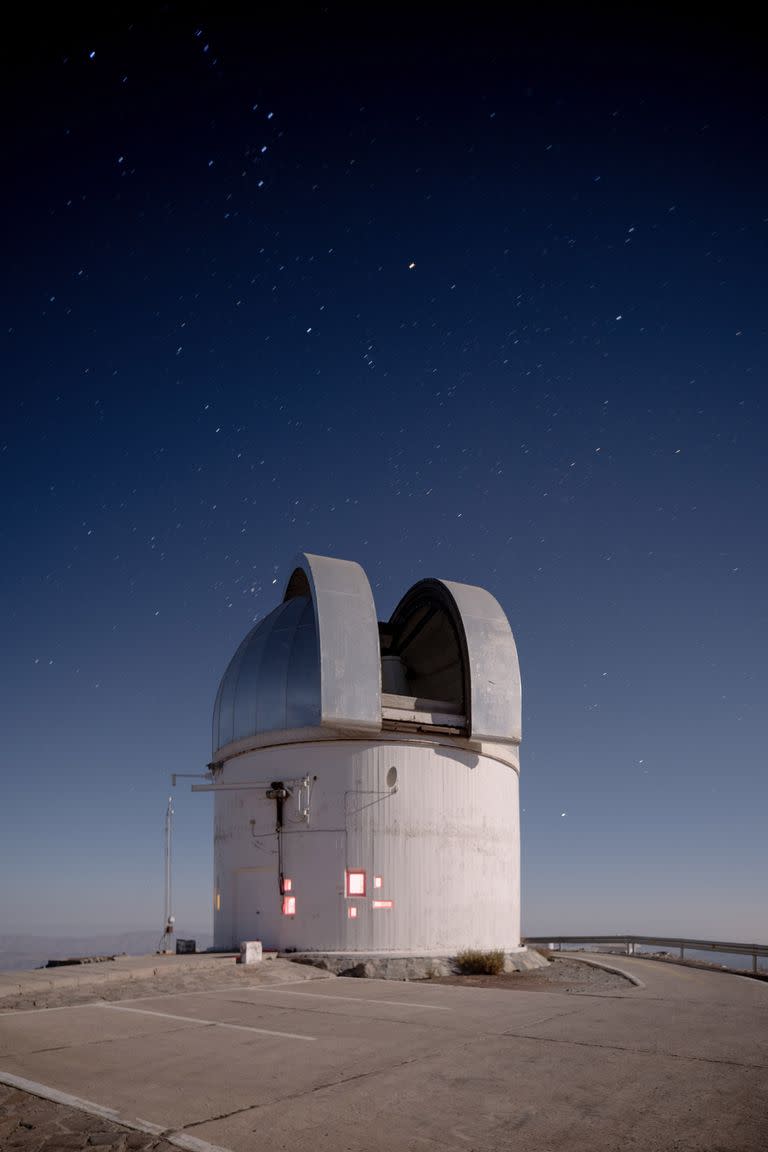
(256, 901)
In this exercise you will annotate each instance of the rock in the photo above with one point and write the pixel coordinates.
(66, 1142)
(524, 961)
(251, 952)
(359, 970)
(407, 967)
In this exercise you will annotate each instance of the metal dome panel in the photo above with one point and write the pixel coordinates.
(348, 639)
(273, 680)
(316, 660)
(313, 661)
(458, 647)
(493, 666)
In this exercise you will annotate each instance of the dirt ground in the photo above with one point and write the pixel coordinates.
(29, 1124)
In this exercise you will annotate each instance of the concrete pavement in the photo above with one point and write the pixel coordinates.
(681, 1063)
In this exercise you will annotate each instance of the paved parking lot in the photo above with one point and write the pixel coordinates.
(681, 1063)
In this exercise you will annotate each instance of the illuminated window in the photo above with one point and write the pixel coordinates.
(352, 911)
(289, 905)
(354, 882)
(287, 884)
(382, 903)
(377, 882)
(218, 901)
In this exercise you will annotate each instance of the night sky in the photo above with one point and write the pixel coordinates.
(478, 300)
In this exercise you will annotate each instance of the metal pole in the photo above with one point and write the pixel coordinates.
(167, 938)
(168, 858)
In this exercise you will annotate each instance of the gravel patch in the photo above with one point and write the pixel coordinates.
(560, 975)
(30, 1124)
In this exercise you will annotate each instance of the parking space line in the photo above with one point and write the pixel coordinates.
(355, 999)
(32, 1011)
(45, 1092)
(139, 999)
(199, 1020)
(191, 992)
(193, 1143)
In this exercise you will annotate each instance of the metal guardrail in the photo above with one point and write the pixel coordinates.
(681, 943)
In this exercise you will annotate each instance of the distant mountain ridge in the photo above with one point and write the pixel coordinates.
(23, 950)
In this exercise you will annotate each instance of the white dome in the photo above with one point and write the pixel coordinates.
(319, 660)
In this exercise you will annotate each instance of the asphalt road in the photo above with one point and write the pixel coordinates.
(679, 1064)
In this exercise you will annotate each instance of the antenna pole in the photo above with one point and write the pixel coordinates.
(169, 919)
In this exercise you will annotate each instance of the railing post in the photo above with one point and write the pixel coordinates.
(754, 961)
(682, 952)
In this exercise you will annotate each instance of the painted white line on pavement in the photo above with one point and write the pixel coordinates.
(45, 1092)
(354, 999)
(141, 999)
(199, 1020)
(197, 992)
(193, 1143)
(32, 1011)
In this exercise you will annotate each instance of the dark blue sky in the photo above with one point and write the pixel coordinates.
(478, 301)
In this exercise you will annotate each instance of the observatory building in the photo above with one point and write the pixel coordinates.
(365, 774)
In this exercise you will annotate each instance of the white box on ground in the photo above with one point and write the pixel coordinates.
(250, 952)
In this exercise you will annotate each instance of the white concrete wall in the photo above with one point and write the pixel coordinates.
(446, 844)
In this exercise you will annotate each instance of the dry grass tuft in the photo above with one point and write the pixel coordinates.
(474, 962)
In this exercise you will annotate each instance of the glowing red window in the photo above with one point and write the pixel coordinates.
(354, 882)
(289, 905)
(377, 882)
(382, 903)
(287, 884)
(352, 911)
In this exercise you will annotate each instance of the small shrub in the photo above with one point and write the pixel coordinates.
(474, 962)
